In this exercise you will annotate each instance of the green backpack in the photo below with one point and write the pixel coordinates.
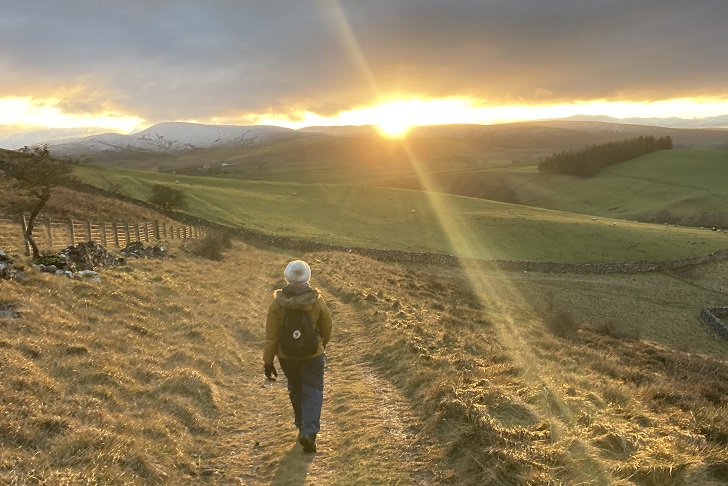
(298, 336)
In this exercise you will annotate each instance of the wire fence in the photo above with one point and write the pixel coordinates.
(57, 234)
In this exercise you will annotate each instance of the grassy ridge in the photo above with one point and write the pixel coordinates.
(417, 221)
(685, 182)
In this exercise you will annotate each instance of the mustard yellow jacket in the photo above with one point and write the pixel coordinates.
(295, 297)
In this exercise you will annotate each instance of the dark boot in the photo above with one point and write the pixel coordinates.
(308, 443)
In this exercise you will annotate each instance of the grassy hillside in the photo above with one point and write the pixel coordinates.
(418, 221)
(688, 184)
(67, 203)
(685, 182)
(435, 376)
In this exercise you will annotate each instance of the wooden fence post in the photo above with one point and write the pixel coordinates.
(152, 230)
(72, 236)
(50, 234)
(24, 227)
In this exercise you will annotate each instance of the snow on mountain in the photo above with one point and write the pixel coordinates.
(173, 137)
(13, 140)
(176, 136)
(169, 137)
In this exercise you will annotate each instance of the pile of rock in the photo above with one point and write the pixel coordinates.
(9, 310)
(7, 272)
(138, 250)
(85, 259)
(89, 256)
(74, 259)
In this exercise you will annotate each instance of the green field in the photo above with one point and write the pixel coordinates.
(684, 182)
(409, 220)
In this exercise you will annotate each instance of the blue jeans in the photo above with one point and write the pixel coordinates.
(306, 391)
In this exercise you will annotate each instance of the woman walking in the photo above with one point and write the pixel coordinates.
(297, 330)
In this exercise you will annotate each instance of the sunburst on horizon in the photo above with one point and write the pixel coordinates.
(393, 117)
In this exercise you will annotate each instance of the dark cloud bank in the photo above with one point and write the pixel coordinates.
(166, 60)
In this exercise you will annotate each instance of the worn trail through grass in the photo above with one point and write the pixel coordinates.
(370, 433)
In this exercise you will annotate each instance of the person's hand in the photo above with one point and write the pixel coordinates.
(270, 371)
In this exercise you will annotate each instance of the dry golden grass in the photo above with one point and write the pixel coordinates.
(517, 405)
(70, 204)
(154, 376)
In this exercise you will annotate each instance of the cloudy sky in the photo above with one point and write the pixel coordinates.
(123, 65)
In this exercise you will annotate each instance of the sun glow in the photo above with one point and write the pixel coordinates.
(394, 118)
(30, 113)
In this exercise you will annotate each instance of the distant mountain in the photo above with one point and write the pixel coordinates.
(345, 131)
(13, 140)
(173, 137)
(717, 122)
(174, 146)
(537, 133)
(169, 138)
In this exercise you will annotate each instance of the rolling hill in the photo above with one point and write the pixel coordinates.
(688, 187)
(180, 145)
(685, 183)
(417, 221)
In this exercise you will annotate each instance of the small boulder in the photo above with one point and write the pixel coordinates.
(7, 271)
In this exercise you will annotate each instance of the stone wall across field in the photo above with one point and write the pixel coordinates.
(266, 240)
(713, 318)
(290, 243)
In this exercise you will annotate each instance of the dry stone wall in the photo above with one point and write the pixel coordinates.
(290, 243)
(712, 316)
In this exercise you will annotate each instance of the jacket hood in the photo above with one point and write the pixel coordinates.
(295, 297)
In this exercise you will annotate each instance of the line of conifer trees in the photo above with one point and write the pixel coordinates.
(590, 160)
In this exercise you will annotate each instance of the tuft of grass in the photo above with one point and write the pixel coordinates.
(618, 330)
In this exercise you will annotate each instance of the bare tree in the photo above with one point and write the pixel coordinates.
(34, 173)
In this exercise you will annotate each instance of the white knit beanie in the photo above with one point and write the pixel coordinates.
(297, 272)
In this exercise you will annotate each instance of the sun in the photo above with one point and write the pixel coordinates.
(395, 118)
(393, 128)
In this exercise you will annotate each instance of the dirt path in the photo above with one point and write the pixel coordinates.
(369, 430)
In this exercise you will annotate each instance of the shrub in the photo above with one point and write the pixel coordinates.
(166, 197)
(561, 323)
(213, 245)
